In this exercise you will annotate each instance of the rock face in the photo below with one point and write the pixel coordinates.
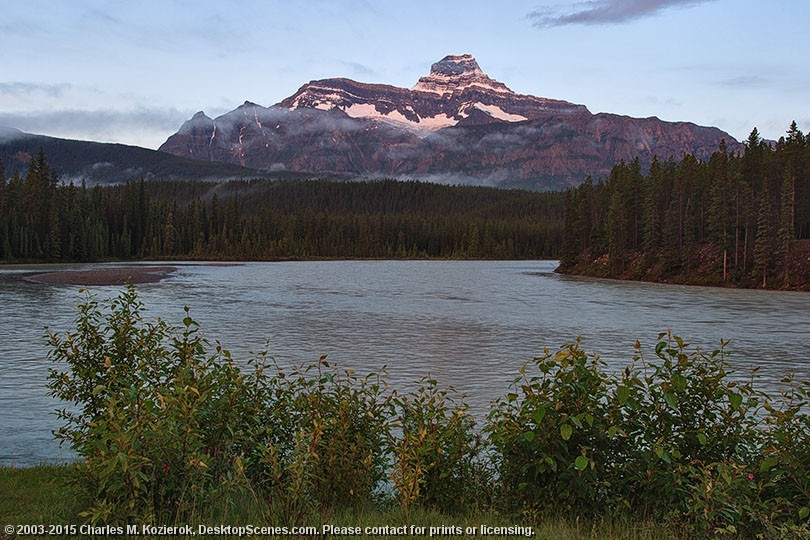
(455, 125)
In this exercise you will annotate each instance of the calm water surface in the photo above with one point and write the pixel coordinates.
(470, 325)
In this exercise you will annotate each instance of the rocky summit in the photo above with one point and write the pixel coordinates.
(456, 125)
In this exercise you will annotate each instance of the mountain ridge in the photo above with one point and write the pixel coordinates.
(111, 163)
(455, 125)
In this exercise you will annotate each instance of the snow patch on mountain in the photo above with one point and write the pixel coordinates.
(368, 110)
(496, 112)
(438, 121)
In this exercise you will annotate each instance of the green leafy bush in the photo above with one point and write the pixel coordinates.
(552, 436)
(437, 451)
(164, 428)
(678, 438)
(784, 466)
(320, 438)
(683, 411)
(152, 420)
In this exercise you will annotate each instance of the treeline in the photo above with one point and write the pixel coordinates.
(43, 220)
(737, 219)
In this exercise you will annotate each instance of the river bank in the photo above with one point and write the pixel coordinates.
(706, 269)
(115, 275)
(135, 275)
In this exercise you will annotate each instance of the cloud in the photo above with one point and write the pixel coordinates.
(450, 179)
(358, 69)
(598, 12)
(142, 126)
(745, 81)
(18, 89)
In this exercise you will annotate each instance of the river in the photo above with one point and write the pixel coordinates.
(469, 324)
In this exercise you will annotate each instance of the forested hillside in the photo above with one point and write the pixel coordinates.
(107, 163)
(43, 220)
(737, 219)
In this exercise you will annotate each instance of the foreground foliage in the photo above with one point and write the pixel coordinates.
(677, 438)
(165, 426)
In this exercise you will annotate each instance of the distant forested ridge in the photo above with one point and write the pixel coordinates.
(736, 219)
(43, 220)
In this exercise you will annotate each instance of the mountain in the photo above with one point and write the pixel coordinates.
(454, 125)
(103, 163)
(455, 93)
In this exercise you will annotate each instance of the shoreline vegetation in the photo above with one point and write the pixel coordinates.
(172, 430)
(732, 221)
(637, 270)
(42, 220)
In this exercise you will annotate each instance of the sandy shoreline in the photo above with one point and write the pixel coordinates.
(104, 276)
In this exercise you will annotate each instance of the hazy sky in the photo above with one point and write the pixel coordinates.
(132, 72)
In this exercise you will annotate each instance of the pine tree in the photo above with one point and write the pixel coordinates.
(762, 242)
(617, 240)
(169, 235)
(572, 229)
(651, 219)
(689, 252)
(786, 227)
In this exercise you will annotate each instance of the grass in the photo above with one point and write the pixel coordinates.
(38, 495)
(44, 495)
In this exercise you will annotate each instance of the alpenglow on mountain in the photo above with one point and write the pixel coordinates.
(455, 124)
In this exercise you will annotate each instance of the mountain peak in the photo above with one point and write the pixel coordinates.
(8, 133)
(453, 64)
(199, 122)
(455, 73)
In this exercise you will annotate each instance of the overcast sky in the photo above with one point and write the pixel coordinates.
(132, 72)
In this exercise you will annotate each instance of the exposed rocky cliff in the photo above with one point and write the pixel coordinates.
(455, 125)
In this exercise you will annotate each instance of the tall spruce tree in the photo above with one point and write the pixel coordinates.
(786, 226)
(763, 246)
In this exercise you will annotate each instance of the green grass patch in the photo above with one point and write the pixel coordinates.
(40, 494)
(44, 495)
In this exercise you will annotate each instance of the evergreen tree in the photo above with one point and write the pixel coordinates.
(659, 223)
(786, 226)
(762, 244)
(651, 214)
(572, 227)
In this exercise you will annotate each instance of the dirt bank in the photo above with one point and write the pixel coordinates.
(105, 276)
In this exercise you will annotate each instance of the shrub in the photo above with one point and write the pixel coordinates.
(681, 412)
(676, 438)
(437, 452)
(552, 435)
(153, 415)
(164, 428)
(322, 439)
(784, 467)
